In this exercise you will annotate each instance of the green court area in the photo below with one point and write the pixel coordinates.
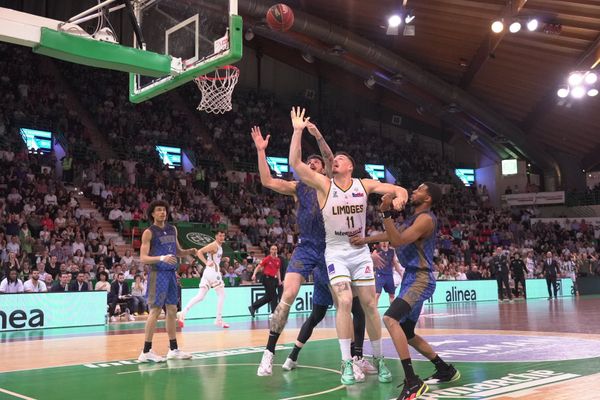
(231, 374)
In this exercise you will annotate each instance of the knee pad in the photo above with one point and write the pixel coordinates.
(317, 314)
(408, 327)
(398, 309)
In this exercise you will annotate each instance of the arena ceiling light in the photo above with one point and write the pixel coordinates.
(515, 26)
(579, 84)
(533, 24)
(497, 26)
(394, 21)
(563, 92)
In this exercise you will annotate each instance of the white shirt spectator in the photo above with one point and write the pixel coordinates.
(127, 216)
(50, 200)
(12, 247)
(78, 246)
(461, 276)
(97, 188)
(14, 197)
(30, 287)
(14, 287)
(104, 194)
(115, 214)
(127, 260)
(29, 208)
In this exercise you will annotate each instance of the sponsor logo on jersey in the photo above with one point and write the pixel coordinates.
(368, 269)
(331, 269)
(335, 194)
(360, 194)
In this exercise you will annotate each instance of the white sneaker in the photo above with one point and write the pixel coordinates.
(266, 364)
(180, 319)
(150, 356)
(289, 364)
(221, 323)
(178, 355)
(131, 317)
(359, 375)
(366, 367)
(113, 319)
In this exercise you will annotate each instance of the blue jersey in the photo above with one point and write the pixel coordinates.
(418, 255)
(310, 219)
(388, 262)
(164, 242)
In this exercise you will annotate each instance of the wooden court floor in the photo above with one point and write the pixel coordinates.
(537, 349)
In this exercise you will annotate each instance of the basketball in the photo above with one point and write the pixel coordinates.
(280, 17)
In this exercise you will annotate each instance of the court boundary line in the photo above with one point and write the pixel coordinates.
(17, 395)
(302, 396)
(588, 336)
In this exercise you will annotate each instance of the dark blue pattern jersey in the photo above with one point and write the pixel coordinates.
(310, 219)
(164, 242)
(418, 255)
(388, 262)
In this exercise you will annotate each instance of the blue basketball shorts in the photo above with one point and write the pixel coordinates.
(305, 261)
(162, 288)
(385, 282)
(417, 286)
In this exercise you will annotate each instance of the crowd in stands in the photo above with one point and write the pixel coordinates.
(45, 236)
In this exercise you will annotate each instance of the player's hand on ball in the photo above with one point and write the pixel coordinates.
(298, 120)
(171, 259)
(259, 142)
(386, 202)
(357, 240)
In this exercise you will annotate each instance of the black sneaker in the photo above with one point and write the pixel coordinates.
(413, 391)
(445, 375)
(252, 311)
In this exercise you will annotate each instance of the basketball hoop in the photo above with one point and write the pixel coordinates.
(217, 88)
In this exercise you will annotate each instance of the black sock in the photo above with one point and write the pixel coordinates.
(273, 338)
(352, 349)
(409, 372)
(147, 346)
(358, 351)
(294, 354)
(439, 363)
(173, 344)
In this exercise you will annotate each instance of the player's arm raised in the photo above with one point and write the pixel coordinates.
(307, 175)
(145, 249)
(324, 148)
(279, 185)
(180, 251)
(422, 227)
(400, 194)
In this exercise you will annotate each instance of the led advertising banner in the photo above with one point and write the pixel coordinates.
(37, 141)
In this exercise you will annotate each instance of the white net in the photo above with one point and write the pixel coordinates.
(217, 88)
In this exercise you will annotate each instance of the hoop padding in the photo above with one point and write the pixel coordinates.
(217, 89)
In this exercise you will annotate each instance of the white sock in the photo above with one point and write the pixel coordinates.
(195, 300)
(376, 345)
(220, 300)
(345, 348)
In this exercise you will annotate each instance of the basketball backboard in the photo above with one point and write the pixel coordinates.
(203, 34)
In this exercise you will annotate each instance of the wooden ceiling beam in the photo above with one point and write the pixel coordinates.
(489, 44)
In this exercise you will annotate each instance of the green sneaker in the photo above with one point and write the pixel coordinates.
(384, 375)
(347, 373)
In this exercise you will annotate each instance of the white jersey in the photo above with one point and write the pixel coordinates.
(344, 215)
(215, 257)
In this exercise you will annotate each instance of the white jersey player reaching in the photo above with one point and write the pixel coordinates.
(211, 278)
(343, 201)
